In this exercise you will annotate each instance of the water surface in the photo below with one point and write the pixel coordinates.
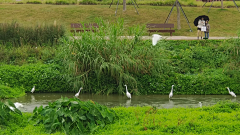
(30, 101)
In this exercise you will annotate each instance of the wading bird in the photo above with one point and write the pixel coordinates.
(171, 93)
(127, 93)
(33, 89)
(77, 94)
(17, 105)
(155, 39)
(231, 93)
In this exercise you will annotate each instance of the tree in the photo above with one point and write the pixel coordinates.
(222, 4)
(124, 5)
(178, 16)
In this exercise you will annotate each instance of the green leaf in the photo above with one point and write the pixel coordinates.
(82, 117)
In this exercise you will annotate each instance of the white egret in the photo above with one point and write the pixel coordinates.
(17, 105)
(77, 94)
(156, 38)
(33, 89)
(127, 93)
(200, 104)
(231, 93)
(171, 93)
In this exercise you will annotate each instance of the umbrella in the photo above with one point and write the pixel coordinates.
(199, 18)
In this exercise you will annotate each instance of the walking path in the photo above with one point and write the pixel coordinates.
(185, 38)
(170, 37)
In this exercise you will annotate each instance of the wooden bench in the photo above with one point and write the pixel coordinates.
(78, 27)
(154, 27)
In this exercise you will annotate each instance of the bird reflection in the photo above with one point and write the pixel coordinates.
(128, 103)
(200, 104)
(233, 100)
(32, 98)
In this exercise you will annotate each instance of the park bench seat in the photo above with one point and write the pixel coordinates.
(78, 27)
(154, 27)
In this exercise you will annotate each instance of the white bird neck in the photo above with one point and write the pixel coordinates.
(126, 88)
(172, 89)
(79, 90)
(228, 89)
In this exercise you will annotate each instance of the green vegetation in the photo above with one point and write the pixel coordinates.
(16, 35)
(46, 78)
(103, 62)
(195, 67)
(222, 118)
(73, 116)
(8, 92)
(31, 14)
(27, 54)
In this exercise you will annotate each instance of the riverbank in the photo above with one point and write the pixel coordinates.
(104, 66)
(33, 14)
(221, 118)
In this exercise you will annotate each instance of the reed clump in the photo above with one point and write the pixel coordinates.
(104, 61)
(41, 35)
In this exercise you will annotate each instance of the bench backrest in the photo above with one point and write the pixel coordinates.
(87, 25)
(155, 25)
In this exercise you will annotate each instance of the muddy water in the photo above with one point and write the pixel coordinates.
(30, 101)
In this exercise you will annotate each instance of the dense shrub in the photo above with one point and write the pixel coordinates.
(88, 2)
(46, 78)
(61, 2)
(16, 35)
(73, 116)
(27, 55)
(8, 92)
(34, 2)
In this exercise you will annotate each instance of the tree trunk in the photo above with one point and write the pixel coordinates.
(124, 5)
(222, 4)
(178, 16)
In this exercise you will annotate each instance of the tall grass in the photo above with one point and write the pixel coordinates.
(40, 35)
(103, 61)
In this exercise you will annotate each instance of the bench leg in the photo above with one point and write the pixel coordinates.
(170, 33)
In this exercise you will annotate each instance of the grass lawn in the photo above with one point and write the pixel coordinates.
(223, 22)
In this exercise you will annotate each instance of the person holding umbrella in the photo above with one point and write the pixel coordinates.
(201, 23)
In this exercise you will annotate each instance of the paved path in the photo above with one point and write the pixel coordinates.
(171, 37)
(185, 38)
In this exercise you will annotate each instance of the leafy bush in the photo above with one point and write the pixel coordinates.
(34, 2)
(8, 92)
(73, 116)
(46, 78)
(49, 2)
(61, 2)
(88, 2)
(18, 35)
(27, 54)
